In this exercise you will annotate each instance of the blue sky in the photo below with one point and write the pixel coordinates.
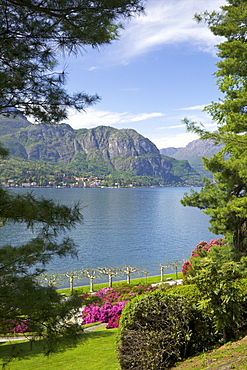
(158, 72)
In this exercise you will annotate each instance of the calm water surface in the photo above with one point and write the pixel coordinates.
(140, 227)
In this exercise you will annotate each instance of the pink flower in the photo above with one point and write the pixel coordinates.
(20, 326)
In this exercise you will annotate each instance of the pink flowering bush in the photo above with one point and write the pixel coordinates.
(187, 266)
(109, 304)
(105, 313)
(113, 322)
(103, 292)
(203, 247)
(201, 251)
(19, 326)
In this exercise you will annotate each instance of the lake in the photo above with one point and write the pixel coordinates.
(140, 227)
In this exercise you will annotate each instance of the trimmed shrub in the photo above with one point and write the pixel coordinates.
(188, 291)
(157, 330)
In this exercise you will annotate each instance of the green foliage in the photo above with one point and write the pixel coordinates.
(41, 172)
(188, 291)
(243, 285)
(219, 254)
(220, 294)
(20, 171)
(157, 330)
(216, 275)
(225, 199)
(182, 169)
(243, 265)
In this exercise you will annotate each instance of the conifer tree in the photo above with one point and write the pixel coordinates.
(32, 33)
(32, 36)
(225, 199)
(21, 295)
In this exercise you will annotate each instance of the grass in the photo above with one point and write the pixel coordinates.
(147, 280)
(96, 350)
(97, 347)
(229, 356)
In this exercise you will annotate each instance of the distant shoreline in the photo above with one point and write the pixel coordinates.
(97, 187)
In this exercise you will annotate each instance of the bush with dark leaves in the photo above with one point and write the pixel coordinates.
(157, 330)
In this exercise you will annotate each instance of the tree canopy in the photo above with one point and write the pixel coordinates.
(21, 296)
(225, 199)
(32, 33)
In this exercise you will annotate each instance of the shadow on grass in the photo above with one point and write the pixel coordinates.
(99, 333)
(26, 350)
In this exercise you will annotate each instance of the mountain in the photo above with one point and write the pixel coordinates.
(194, 152)
(169, 151)
(100, 151)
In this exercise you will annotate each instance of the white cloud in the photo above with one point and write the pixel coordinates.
(212, 126)
(173, 136)
(176, 134)
(93, 118)
(171, 127)
(145, 116)
(168, 22)
(92, 68)
(195, 115)
(195, 107)
(177, 141)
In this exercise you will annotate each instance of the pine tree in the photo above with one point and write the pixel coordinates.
(225, 199)
(21, 296)
(33, 33)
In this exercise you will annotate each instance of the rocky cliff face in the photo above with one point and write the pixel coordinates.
(113, 143)
(119, 150)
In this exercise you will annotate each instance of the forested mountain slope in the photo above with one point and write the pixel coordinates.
(99, 151)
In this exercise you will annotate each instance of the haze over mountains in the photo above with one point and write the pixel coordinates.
(101, 151)
(193, 153)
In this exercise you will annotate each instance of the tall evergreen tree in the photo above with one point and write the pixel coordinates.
(225, 200)
(32, 33)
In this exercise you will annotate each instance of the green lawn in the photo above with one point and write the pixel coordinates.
(147, 280)
(97, 350)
